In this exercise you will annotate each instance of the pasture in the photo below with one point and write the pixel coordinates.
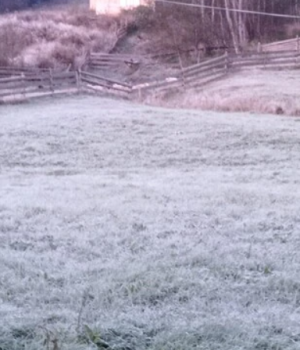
(133, 227)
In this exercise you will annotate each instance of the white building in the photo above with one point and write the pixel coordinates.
(114, 6)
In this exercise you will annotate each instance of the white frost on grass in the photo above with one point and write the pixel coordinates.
(253, 90)
(175, 229)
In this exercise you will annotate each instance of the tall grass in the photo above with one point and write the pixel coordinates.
(54, 38)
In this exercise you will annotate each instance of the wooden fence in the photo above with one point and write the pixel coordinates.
(6, 72)
(205, 72)
(18, 84)
(200, 74)
(89, 81)
(267, 60)
(193, 76)
(21, 83)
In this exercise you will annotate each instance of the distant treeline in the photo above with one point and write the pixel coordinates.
(234, 22)
(12, 5)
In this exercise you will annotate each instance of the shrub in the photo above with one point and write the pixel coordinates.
(54, 38)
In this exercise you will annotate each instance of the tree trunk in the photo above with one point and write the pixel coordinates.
(231, 27)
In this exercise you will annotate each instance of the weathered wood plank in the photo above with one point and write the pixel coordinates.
(211, 62)
(100, 78)
(281, 42)
(262, 62)
(205, 70)
(157, 84)
(204, 75)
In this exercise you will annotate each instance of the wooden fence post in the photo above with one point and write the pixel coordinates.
(226, 61)
(23, 84)
(51, 80)
(181, 66)
(182, 78)
(259, 47)
(78, 79)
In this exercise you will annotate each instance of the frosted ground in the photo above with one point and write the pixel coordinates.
(257, 90)
(158, 229)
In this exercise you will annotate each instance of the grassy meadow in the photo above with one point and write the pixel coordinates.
(129, 227)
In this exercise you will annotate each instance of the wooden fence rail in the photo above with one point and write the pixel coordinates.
(27, 84)
(205, 72)
(289, 59)
(283, 45)
(10, 86)
(89, 81)
(158, 86)
(102, 61)
(13, 71)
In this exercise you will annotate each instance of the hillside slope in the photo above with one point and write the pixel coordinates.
(254, 90)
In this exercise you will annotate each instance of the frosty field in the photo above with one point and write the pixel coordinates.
(130, 227)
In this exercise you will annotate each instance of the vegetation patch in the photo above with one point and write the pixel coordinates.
(178, 229)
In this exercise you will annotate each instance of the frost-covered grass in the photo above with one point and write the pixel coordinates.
(147, 228)
(253, 90)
